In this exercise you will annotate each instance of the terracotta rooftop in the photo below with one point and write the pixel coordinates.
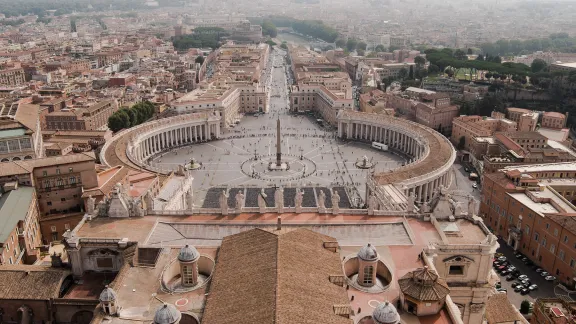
(30, 282)
(423, 285)
(499, 310)
(288, 275)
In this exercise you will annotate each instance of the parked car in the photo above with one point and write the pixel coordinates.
(518, 288)
(510, 277)
(502, 258)
(474, 185)
(550, 278)
(529, 263)
(511, 268)
(522, 277)
(538, 270)
(524, 291)
(519, 255)
(526, 282)
(498, 254)
(533, 287)
(504, 272)
(515, 273)
(515, 284)
(502, 290)
(544, 274)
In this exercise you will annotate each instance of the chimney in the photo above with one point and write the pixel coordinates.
(279, 223)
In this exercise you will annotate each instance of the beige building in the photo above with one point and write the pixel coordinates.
(12, 76)
(320, 87)
(235, 88)
(87, 116)
(526, 120)
(20, 133)
(554, 120)
(20, 238)
(476, 129)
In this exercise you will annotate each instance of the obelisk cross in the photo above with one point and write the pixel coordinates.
(278, 146)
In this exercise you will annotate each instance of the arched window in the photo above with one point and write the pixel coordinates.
(368, 273)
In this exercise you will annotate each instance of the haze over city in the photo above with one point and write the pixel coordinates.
(301, 161)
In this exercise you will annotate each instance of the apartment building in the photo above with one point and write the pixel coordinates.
(553, 311)
(532, 208)
(234, 88)
(554, 120)
(524, 118)
(475, 129)
(12, 76)
(20, 132)
(86, 116)
(59, 183)
(320, 86)
(20, 237)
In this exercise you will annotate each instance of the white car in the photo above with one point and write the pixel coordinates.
(474, 185)
(550, 278)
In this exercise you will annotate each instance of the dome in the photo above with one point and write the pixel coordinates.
(167, 314)
(385, 313)
(188, 254)
(368, 253)
(107, 295)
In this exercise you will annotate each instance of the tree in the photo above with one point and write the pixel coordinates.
(284, 46)
(199, 59)
(403, 73)
(460, 55)
(469, 52)
(496, 59)
(525, 307)
(480, 57)
(340, 43)
(462, 143)
(360, 52)
(72, 25)
(538, 65)
(269, 29)
(361, 45)
(411, 73)
(433, 69)
(420, 61)
(380, 48)
(115, 123)
(351, 44)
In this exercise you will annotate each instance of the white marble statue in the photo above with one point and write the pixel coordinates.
(90, 205)
(279, 198)
(471, 206)
(299, 198)
(372, 204)
(224, 202)
(322, 200)
(410, 202)
(239, 201)
(102, 208)
(262, 201)
(335, 202)
(190, 199)
(457, 208)
(137, 210)
(425, 208)
(149, 200)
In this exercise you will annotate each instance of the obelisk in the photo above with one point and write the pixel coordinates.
(278, 146)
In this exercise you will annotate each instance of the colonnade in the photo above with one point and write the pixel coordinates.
(395, 138)
(158, 140)
(409, 138)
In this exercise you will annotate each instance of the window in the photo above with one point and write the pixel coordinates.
(561, 255)
(44, 173)
(572, 263)
(547, 226)
(368, 272)
(527, 230)
(53, 228)
(67, 226)
(57, 171)
(59, 182)
(72, 180)
(555, 232)
(544, 242)
(70, 169)
(62, 199)
(566, 239)
(456, 270)
(49, 203)
(536, 236)
(552, 248)
(187, 275)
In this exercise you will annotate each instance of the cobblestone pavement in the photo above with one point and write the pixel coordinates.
(231, 160)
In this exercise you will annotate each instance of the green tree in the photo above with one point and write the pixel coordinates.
(420, 61)
(269, 29)
(462, 143)
(115, 123)
(361, 46)
(284, 46)
(460, 55)
(72, 25)
(496, 59)
(480, 57)
(351, 44)
(380, 48)
(469, 51)
(360, 52)
(411, 73)
(403, 73)
(199, 59)
(525, 307)
(538, 65)
(340, 42)
(433, 69)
